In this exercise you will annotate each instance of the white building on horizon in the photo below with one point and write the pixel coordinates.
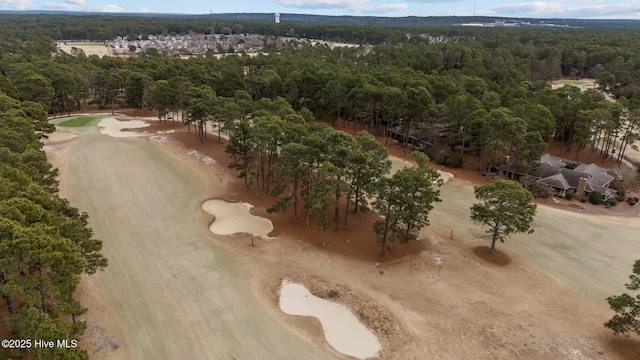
(277, 18)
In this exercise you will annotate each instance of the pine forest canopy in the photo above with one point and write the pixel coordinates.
(456, 88)
(45, 243)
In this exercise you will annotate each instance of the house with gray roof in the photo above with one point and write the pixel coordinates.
(565, 176)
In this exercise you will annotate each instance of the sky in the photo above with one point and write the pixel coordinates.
(582, 9)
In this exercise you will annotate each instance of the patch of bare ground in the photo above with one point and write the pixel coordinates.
(496, 257)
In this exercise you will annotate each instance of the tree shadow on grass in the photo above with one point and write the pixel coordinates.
(497, 257)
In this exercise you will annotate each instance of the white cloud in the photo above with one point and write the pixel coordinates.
(436, 1)
(381, 9)
(109, 8)
(540, 9)
(355, 6)
(60, 6)
(70, 5)
(17, 4)
(323, 4)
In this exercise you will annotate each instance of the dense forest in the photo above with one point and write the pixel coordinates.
(45, 243)
(462, 95)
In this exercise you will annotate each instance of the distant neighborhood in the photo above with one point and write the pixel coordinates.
(200, 44)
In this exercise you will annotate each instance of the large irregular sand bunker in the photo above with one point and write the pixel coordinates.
(113, 127)
(233, 218)
(343, 330)
(398, 163)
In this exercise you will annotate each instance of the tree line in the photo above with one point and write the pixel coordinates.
(45, 243)
(465, 97)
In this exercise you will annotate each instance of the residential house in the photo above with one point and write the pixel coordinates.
(563, 176)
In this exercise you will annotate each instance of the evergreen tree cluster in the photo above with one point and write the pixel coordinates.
(45, 243)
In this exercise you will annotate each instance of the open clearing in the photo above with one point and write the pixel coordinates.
(174, 290)
(89, 48)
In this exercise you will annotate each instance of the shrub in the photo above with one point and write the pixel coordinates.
(448, 159)
(568, 195)
(583, 200)
(611, 201)
(632, 201)
(595, 197)
(540, 191)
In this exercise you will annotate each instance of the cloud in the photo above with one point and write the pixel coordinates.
(355, 6)
(323, 4)
(540, 9)
(60, 6)
(435, 1)
(381, 9)
(17, 4)
(79, 5)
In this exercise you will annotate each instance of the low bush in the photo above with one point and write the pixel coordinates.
(568, 195)
(448, 159)
(611, 201)
(595, 197)
(540, 191)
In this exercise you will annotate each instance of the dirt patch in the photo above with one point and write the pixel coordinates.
(496, 257)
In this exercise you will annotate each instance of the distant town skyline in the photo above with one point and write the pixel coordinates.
(585, 9)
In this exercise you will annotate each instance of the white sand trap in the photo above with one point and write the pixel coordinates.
(112, 127)
(341, 328)
(398, 163)
(446, 176)
(58, 137)
(233, 218)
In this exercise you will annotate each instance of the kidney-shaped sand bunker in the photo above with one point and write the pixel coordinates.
(233, 218)
(342, 329)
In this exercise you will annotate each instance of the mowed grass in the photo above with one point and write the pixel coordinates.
(572, 82)
(77, 122)
(82, 43)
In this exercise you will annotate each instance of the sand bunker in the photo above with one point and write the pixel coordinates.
(58, 137)
(112, 127)
(233, 218)
(341, 328)
(398, 163)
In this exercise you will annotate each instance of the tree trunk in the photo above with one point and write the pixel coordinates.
(337, 210)
(9, 300)
(308, 193)
(44, 308)
(295, 197)
(494, 238)
(386, 229)
(346, 208)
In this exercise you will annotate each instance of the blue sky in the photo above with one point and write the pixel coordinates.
(584, 9)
